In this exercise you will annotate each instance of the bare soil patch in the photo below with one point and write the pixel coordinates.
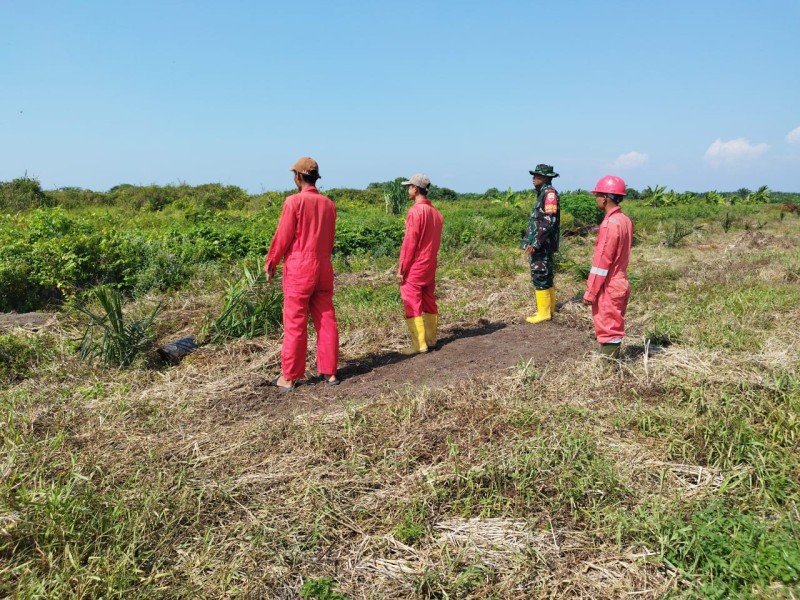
(33, 321)
(461, 354)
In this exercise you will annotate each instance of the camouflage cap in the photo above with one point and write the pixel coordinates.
(544, 171)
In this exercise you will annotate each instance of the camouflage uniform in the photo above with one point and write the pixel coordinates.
(542, 234)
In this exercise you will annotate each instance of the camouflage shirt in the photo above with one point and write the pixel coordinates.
(545, 223)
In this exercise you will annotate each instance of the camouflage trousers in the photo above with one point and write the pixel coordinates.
(541, 270)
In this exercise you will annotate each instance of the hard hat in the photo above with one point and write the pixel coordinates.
(610, 184)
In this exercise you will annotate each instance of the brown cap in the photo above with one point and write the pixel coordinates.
(306, 166)
(419, 180)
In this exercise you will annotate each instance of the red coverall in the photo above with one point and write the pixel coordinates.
(304, 239)
(418, 258)
(608, 289)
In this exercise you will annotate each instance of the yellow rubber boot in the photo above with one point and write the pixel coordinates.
(431, 327)
(543, 307)
(416, 327)
(552, 291)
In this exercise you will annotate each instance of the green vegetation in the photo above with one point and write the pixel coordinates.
(111, 336)
(251, 307)
(676, 477)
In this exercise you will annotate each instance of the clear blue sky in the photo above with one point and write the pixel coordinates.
(694, 95)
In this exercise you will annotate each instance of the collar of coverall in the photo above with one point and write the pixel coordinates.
(614, 210)
(309, 188)
(422, 200)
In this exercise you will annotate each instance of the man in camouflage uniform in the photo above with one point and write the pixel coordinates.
(541, 241)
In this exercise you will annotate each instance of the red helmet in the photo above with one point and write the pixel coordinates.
(610, 184)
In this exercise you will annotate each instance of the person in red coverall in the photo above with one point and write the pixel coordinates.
(608, 290)
(417, 269)
(304, 240)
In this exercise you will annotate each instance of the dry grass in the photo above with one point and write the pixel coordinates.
(544, 481)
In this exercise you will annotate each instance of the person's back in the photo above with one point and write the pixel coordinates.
(620, 228)
(416, 271)
(304, 241)
(424, 255)
(315, 223)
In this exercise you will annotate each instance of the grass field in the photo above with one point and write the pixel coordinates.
(676, 476)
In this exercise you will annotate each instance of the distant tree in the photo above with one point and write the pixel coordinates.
(22, 193)
(758, 197)
(743, 193)
(632, 193)
(442, 193)
(654, 196)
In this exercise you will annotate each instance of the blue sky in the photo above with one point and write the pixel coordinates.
(692, 95)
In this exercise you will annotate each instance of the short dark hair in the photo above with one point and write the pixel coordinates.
(616, 198)
(422, 190)
(311, 178)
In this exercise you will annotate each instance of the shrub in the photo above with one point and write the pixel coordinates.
(112, 337)
(75, 197)
(582, 207)
(18, 355)
(376, 236)
(395, 196)
(442, 194)
(251, 307)
(21, 194)
(372, 196)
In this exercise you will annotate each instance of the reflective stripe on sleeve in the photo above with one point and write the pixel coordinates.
(596, 271)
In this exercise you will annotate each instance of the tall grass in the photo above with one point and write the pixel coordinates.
(251, 307)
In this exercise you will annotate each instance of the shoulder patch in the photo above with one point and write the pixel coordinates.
(551, 203)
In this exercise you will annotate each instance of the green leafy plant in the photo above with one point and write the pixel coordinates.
(509, 198)
(395, 195)
(654, 196)
(18, 354)
(251, 308)
(760, 196)
(21, 194)
(679, 231)
(727, 222)
(321, 589)
(111, 336)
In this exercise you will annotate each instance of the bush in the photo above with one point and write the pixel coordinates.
(75, 197)
(442, 194)
(112, 337)
(375, 236)
(251, 307)
(370, 197)
(582, 207)
(17, 356)
(22, 194)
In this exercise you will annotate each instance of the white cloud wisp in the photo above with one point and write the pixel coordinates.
(727, 153)
(793, 137)
(630, 160)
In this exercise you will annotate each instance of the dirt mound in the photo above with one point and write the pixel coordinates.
(32, 321)
(461, 354)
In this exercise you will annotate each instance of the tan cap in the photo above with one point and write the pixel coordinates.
(306, 166)
(419, 180)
